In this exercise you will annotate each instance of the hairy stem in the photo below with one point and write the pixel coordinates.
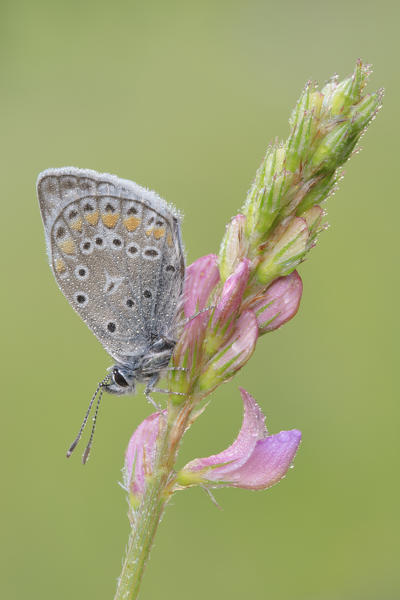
(152, 506)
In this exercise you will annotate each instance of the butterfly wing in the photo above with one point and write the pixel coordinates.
(116, 252)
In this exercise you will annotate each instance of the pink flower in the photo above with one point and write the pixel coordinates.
(231, 297)
(201, 278)
(140, 454)
(255, 460)
(279, 304)
(233, 354)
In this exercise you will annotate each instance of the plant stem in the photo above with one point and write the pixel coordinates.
(150, 511)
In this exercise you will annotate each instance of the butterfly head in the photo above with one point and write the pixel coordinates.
(122, 381)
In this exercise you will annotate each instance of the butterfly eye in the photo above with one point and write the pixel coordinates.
(119, 379)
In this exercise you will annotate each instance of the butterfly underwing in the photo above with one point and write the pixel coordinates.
(116, 252)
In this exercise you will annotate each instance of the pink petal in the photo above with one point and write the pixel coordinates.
(253, 429)
(140, 454)
(241, 345)
(280, 302)
(232, 294)
(268, 463)
(201, 278)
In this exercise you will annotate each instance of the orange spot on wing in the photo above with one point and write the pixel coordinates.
(68, 247)
(60, 266)
(131, 223)
(76, 225)
(92, 218)
(149, 232)
(159, 232)
(109, 220)
(169, 240)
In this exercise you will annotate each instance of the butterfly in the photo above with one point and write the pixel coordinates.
(116, 252)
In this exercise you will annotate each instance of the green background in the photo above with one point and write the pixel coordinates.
(183, 97)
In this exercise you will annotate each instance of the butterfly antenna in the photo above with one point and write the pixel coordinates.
(85, 455)
(78, 437)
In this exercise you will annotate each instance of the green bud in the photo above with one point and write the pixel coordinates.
(319, 191)
(263, 200)
(294, 177)
(315, 104)
(347, 92)
(299, 141)
(365, 111)
(334, 149)
(303, 122)
(328, 90)
(302, 105)
(233, 247)
(339, 97)
(313, 217)
(286, 253)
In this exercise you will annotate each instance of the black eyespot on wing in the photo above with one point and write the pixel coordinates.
(99, 241)
(130, 303)
(111, 327)
(60, 232)
(147, 293)
(132, 249)
(73, 214)
(86, 245)
(151, 252)
(109, 208)
(132, 211)
(117, 242)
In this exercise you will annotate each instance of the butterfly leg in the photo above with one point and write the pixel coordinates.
(162, 391)
(150, 399)
(200, 312)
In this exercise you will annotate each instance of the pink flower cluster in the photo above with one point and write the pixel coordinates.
(224, 321)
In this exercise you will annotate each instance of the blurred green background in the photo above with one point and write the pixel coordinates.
(183, 97)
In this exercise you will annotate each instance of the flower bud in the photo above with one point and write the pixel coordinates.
(363, 112)
(201, 278)
(348, 91)
(334, 149)
(263, 201)
(226, 311)
(233, 355)
(233, 247)
(303, 123)
(287, 252)
(279, 303)
(140, 457)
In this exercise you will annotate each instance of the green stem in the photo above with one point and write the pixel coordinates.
(150, 511)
